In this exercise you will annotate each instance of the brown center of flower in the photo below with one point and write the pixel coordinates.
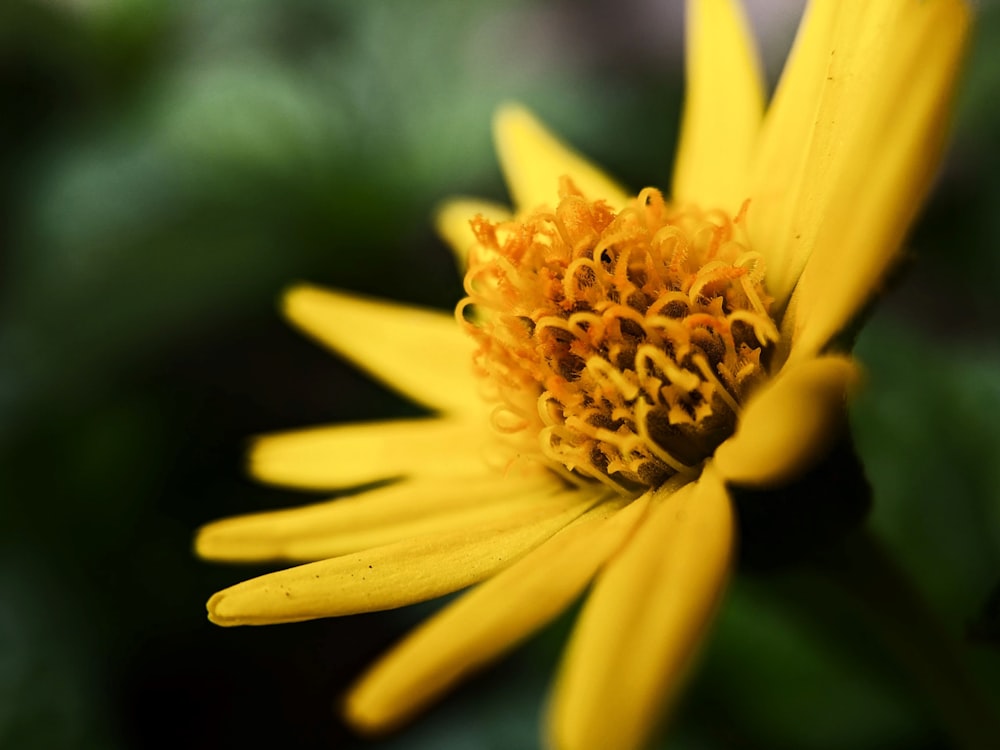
(616, 347)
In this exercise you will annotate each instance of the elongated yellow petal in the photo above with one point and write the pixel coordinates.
(420, 353)
(533, 160)
(371, 519)
(396, 574)
(642, 623)
(349, 455)
(781, 204)
(491, 618)
(723, 106)
(790, 424)
(452, 223)
(851, 140)
(898, 89)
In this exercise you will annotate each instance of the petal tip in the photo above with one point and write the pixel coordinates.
(255, 459)
(217, 542)
(299, 298)
(374, 711)
(362, 716)
(218, 613)
(202, 542)
(511, 114)
(514, 125)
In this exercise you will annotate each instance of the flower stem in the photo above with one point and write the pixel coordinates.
(864, 569)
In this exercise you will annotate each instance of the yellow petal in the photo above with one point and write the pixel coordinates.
(851, 140)
(490, 619)
(398, 574)
(886, 163)
(452, 223)
(642, 623)
(353, 454)
(782, 207)
(421, 353)
(533, 160)
(380, 516)
(723, 106)
(789, 424)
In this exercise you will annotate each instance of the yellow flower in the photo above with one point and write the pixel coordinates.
(629, 358)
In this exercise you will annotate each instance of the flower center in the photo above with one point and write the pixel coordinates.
(616, 347)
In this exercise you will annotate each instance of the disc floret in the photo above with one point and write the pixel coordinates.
(616, 346)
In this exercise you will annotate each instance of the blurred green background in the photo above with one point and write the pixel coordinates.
(169, 166)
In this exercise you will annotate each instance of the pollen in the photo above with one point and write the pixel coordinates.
(616, 347)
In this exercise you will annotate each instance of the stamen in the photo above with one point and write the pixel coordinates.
(642, 421)
(616, 348)
(706, 371)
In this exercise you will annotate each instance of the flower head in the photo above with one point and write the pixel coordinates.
(619, 361)
(617, 346)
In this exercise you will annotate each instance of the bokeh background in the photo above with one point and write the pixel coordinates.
(169, 166)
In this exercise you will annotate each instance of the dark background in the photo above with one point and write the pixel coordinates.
(169, 166)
